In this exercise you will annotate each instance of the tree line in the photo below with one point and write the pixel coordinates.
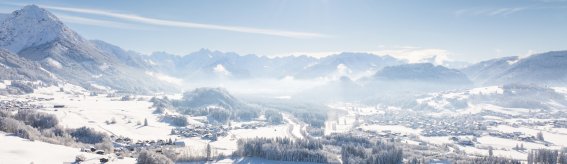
(33, 125)
(282, 149)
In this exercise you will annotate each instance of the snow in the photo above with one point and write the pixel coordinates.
(507, 143)
(101, 87)
(165, 78)
(343, 70)
(53, 63)
(258, 161)
(17, 150)
(393, 128)
(32, 26)
(555, 138)
(268, 132)
(437, 140)
(562, 90)
(104, 66)
(221, 70)
(294, 126)
(487, 90)
(92, 111)
(227, 144)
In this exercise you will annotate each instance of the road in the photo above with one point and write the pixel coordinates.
(295, 128)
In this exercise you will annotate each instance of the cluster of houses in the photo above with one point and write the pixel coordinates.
(465, 141)
(210, 132)
(383, 133)
(252, 125)
(514, 135)
(125, 143)
(559, 123)
(434, 126)
(556, 123)
(12, 105)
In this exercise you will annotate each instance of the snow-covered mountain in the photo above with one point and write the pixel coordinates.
(38, 36)
(211, 64)
(485, 70)
(508, 99)
(33, 26)
(35, 34)
(544, 69)
(423, 72)
(51, 51)
(348, 64)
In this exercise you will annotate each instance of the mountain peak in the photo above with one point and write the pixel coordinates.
(32, 26)
(34, 13)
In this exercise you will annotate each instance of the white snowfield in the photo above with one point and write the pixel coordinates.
(15, 150)
(94, 111)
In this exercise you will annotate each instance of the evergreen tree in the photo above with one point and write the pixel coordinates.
(209, 152)
(540, 136)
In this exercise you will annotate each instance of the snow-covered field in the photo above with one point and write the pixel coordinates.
(15, 150)
(559, 139)
(392, 128)
(95, 111)
(227, 144)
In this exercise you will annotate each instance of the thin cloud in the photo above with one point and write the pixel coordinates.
(94, 22)
(186, 24)
(505, 11)
(489, 12)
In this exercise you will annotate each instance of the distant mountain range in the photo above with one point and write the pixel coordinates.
(36, 45)
(548, 68)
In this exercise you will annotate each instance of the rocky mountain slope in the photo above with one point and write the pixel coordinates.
(38, 36)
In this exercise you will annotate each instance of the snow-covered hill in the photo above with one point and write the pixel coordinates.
(545, 69)
(508, 99)
(205, 97)
(548, 68)
(488, 69)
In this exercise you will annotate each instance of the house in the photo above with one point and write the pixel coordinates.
(58, 106)
(179, 143)
(100, 152)
(103, 160)
(465, 142)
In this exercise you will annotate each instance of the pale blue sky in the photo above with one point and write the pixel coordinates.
(461, 29)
